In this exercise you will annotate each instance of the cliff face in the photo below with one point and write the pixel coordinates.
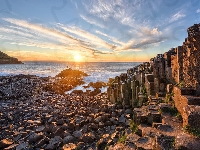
(5, 59)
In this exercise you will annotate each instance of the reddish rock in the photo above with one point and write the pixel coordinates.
(5, 143)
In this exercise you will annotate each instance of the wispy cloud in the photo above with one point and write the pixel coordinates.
(94, 40)
(92, 21)
(101, 13)
(72, 39)
(198, 11)
(177, 16)
(112, 39)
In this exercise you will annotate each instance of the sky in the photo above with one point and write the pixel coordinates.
(94, 30)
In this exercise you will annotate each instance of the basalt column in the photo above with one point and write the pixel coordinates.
(134, 85)
(129, 91)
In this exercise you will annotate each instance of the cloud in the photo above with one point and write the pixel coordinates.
(177, 16)
(41, 29)
(141, 44)
(86, 36)
(109, 13)
(144, 31)
(112, 39)
(138, 30)
(198, 11)
(72, 39)
(19, 33)
(92, 21)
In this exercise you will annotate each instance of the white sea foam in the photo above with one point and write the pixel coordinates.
(97, 71)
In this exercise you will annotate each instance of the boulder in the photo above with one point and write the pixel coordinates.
(69, 146)
(5, 143)
(68, 139)
(164, 142)
(54, 142)
(88, 137)
(77, 134)
(35, 137)
(59, 132)
(23, 145)
(122, 119)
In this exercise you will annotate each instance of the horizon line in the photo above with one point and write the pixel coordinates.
(85, 61)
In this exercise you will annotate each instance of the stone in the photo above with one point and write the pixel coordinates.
(68, 139)
(132, 138)
(71, 125)
(128, 111)
(11, 147)
(22, 146)
(59, 132)
(60, 122)
(77, 134)
(35, 137)
(54, 142)
(118, 146)
(140, 115)
(155, 124)
(165, 107)
(40, 129)
(5, 143)
(164, 142)
(42, 142)
(98, 119)
(122, 119)
(191, 116)
(64, 126)
(101, 125)
(154, 116)
(144, 130)
(101, 144)
(69, 146)
(165, 128)
(88, 137)
(144, 143)
(50, 128)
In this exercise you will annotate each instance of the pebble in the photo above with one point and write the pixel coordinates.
(30, 114)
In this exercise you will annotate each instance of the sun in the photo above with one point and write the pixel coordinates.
(77, 58)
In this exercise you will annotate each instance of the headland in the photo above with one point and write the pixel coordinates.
(5, 59)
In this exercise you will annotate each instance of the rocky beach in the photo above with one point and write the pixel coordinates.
(35, 118)
(153, 106)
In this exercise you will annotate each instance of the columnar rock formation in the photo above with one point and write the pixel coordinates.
(174, 72)
(5, 59)
(128, 88)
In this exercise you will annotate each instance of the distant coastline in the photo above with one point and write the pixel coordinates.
(5, 59)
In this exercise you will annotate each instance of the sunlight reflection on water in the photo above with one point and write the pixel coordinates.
(98, 71)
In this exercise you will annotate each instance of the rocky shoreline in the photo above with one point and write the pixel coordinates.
(31, 117)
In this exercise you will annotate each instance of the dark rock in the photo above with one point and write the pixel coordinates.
(59, 132)
(34, 137)
(88, 137)
(54, 143)
(5, 143)
(68, 139)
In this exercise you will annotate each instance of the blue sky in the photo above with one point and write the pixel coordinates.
(94, 30)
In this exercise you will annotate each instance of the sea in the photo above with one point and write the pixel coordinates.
(97, 71)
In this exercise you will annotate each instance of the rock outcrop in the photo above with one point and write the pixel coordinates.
(5, 59)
